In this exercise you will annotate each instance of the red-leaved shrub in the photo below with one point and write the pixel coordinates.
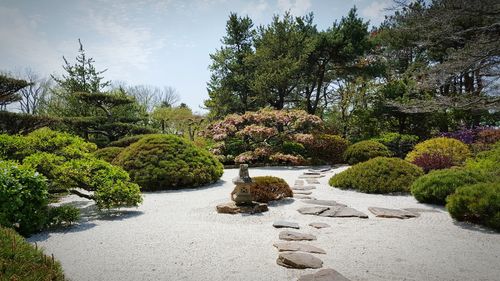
(433, 161)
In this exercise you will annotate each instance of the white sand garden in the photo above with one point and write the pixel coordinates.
(178, 235)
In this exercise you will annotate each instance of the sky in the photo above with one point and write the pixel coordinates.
(150, 42)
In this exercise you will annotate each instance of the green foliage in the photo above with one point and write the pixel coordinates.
(108, 153)
(20, 260)
(294, 148)
(268, 188)
(159, 162)
(437, 185)
(63, 215)
(115, 194)
(9, 88)
(365, 150)
(21, 123)
(479, 203)
(486, 163)
(126, 141)
(23, 198)
(327, 148)
(398, 144)
(378, 175)
(456, 150)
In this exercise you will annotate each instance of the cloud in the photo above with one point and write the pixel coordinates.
(296, 7)
(376, 11)
(256, 9)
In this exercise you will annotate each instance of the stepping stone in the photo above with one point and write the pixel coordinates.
(317, 173)
(296, 236)
(302, 192)
(420, 210)
(299, 182)
(321, 170)
(307, 187)
(294, 247)
(312, 181)
(343, 212)
(392, 213)
(300, 196)
(324, 203)
(232, 208)
(319, 225)
(299, 260)
(286, 224)
(316, 210)
(326, 274)
(310, 176)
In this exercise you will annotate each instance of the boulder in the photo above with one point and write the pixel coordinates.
(298, 260)
(232, 208)
(296, 236)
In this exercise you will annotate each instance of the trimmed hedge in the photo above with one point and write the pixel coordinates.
(158, 162)
(20, 260)
(479, 203)
(265, 189)
(456, 150)
(398, 144)
(365, 150)
(328, 148)
(126, 141)
(108, 154)
(437, 185)
(378, 175)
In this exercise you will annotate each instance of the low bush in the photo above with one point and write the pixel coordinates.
(23, 198)
(287, 159)
(159, 162)
(63, 215)
(108, 153)
(378, 175)
(20, 260)
(398, 144)
(365, 150)
(437, 185)
(456, 150)
(265, 189)
(326, 148)
(294, 148)
(429, 162)
(478, 203)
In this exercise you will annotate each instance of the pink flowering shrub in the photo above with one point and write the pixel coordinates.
(288, 159)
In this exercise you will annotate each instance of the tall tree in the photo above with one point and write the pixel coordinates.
(9, 90)
(35, 93)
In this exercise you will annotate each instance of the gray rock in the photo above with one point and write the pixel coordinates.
(298, 260)
(319, 225)
(321, 170)
(316, 210)
(310, 176)
(326, 274)
(312, 181)
(286, 224)
(343, 212)
(232, 208)
(324, 203)
(301, 196)
(313, 173)
(303, 192)
(296, 236)
(294, 247)
(307, 187)
(392, 213)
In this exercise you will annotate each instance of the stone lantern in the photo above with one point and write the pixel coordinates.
(241, 194)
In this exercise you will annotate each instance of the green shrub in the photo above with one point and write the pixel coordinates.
(378, 175)
(11, 146)
(365, 150)
(327, 148)
(126, 141)
(108, 153)
(20, 260)
(159, 162)
(456, 150)
(478, 203)
(23, 198)
(294, 148)
(437, 185)
(398, 144)
(486, 163)
(265, 189)
(64, 144)
(63, 215)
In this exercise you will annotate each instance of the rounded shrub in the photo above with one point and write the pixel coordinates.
(108, 153)
(23, 198)
(437, 185)
(429, 162)
(126, 141)
(378, 175)
(398, 144)
(454, 149)
(328, 148)
(478, 203)
(265, 189)
(365, 150)
(158, 162)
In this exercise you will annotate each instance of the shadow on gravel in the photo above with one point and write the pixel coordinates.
(281, 202)
(218, 183)
(474, 227)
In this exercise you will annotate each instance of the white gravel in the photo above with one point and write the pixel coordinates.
(178, 235)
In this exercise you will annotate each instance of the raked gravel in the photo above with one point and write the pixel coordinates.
(178, 235)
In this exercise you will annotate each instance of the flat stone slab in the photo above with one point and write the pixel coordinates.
(310, 176)
(343, 212)
(319, 225)
(326, 274)
(392, 213)
(306, 197)
(286, 224)
(306, 187)
(321, 170)
(299, 260)
(324, 203)
(232, 208)
(316, 210)
(296, 236)
(303, 192)
(312, 181)
(317, 173)
(299, 182)
(295, 246)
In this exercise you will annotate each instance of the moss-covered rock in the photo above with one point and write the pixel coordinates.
(159, 162)
(378, 175)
